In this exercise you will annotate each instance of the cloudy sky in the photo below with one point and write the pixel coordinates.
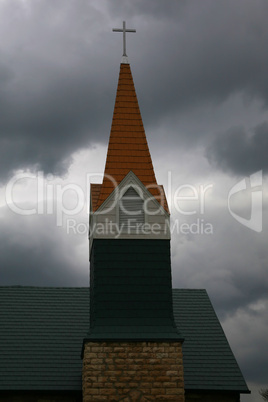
(200, 71)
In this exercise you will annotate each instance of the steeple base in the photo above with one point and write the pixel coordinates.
(133, 371)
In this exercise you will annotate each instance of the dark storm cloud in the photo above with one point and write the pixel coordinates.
(58, 88)
(240, 152)
(215, 49)
(43, 128)
(33, 252)
(52, 98)
(150, 8)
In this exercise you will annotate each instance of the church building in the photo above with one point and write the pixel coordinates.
(130, 336)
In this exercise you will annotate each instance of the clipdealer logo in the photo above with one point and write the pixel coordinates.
(255, 220)
(50, 198)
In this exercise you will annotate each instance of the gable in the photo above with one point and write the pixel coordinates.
(105, 222)
(132, 180)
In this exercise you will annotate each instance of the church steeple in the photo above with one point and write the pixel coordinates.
(131, 307)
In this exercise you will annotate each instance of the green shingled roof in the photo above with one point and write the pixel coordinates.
(42, 331)
(208, 360)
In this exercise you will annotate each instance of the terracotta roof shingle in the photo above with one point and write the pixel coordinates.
(128, 148)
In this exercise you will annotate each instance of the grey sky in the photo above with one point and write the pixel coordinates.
(200, 71)
(241, 152)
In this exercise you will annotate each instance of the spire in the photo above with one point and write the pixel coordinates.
(128, 148)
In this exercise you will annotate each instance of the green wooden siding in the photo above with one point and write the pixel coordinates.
(131, 293)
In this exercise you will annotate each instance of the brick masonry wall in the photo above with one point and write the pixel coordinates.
(133, 371)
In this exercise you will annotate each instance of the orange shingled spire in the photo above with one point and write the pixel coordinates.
(128, 149)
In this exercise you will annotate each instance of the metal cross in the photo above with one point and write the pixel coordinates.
(124, 30)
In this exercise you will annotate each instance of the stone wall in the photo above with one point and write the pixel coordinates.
(133, 371)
